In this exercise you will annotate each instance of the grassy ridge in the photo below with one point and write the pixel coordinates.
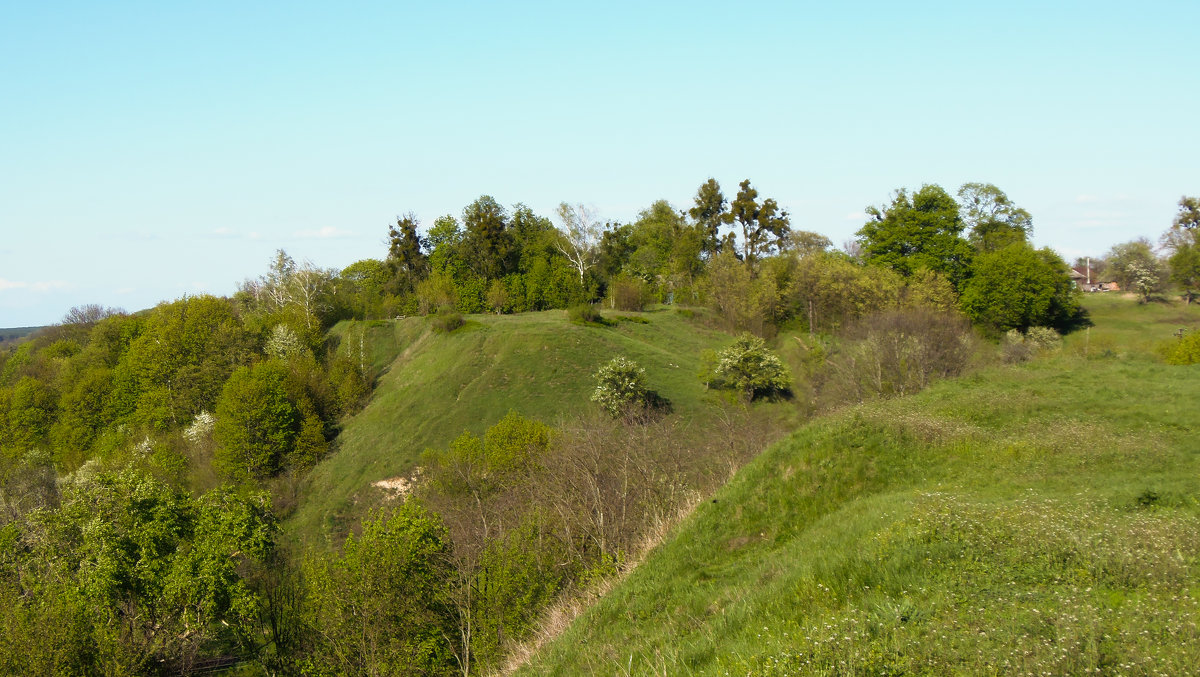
(1027, 519)
(438, 385)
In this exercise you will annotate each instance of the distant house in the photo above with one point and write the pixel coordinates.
(1088, 281)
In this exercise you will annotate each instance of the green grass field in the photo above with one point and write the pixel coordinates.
(1041, 518)
(435, 386)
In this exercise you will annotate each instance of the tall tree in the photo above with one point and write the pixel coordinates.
(992, 219)
(1183, 241)
(446, 232)
(807, 243)
(256, 422)
(272, 289)
(921, 231)
(579, 236)
(656, 236)
(1188, 217)
(407, 254)
(709, 214)
(764, 226)
(489, 246)
(362, 285)
(309, 289)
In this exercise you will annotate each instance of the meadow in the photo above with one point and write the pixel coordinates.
(1038, 518)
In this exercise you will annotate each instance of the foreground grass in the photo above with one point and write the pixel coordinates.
(435, 386)
(1033, 519)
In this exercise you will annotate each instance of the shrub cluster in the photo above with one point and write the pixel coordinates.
(1184, 351)
(748, 368)
(447, 321)
(899, 352)
(584, 313)
(629, 294)
(1017, 347)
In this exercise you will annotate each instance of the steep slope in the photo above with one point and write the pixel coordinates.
(438, 385)
(1040, 518)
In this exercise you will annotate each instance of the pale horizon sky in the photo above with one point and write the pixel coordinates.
(148, 150)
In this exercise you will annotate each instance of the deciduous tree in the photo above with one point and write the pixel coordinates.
(1183, 241)
(992, 219)
(1136, 268)
(750, 368)
(921, 231)
(579, 236)
(256, 422)
(1018, 287)
(383, 606)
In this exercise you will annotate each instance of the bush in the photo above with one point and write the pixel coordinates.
(1013, 348)
(447, 321)
(1017, 347)
(629, 294)
(584, 313)
(621, 389)
(1184, 351)
(497, 296)
(384, 605)
(1043, 338)
(436, 292)
(750, 368)
(899, 352)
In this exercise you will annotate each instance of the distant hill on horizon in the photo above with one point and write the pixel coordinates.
(10, 335)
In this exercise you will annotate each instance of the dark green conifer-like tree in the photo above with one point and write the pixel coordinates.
(407, 256)
(709, 214)
(489, 246)
(765, 226)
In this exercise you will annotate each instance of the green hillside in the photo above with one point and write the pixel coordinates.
(436, 385)
(1031, 519)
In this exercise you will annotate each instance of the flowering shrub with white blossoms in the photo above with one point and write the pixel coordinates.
(284, 343)
(201, 426)
(750, 368)
(621, 387)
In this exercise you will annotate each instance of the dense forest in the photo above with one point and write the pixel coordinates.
(148, 460)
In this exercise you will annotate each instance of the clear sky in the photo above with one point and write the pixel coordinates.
(153, 149)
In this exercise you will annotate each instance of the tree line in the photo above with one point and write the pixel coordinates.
(740, 256)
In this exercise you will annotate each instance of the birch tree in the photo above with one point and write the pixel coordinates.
(581, 233)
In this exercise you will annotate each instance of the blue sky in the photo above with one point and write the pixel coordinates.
(150, 149)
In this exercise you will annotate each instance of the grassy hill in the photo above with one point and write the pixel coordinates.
(436, 385)
(1041, 518)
